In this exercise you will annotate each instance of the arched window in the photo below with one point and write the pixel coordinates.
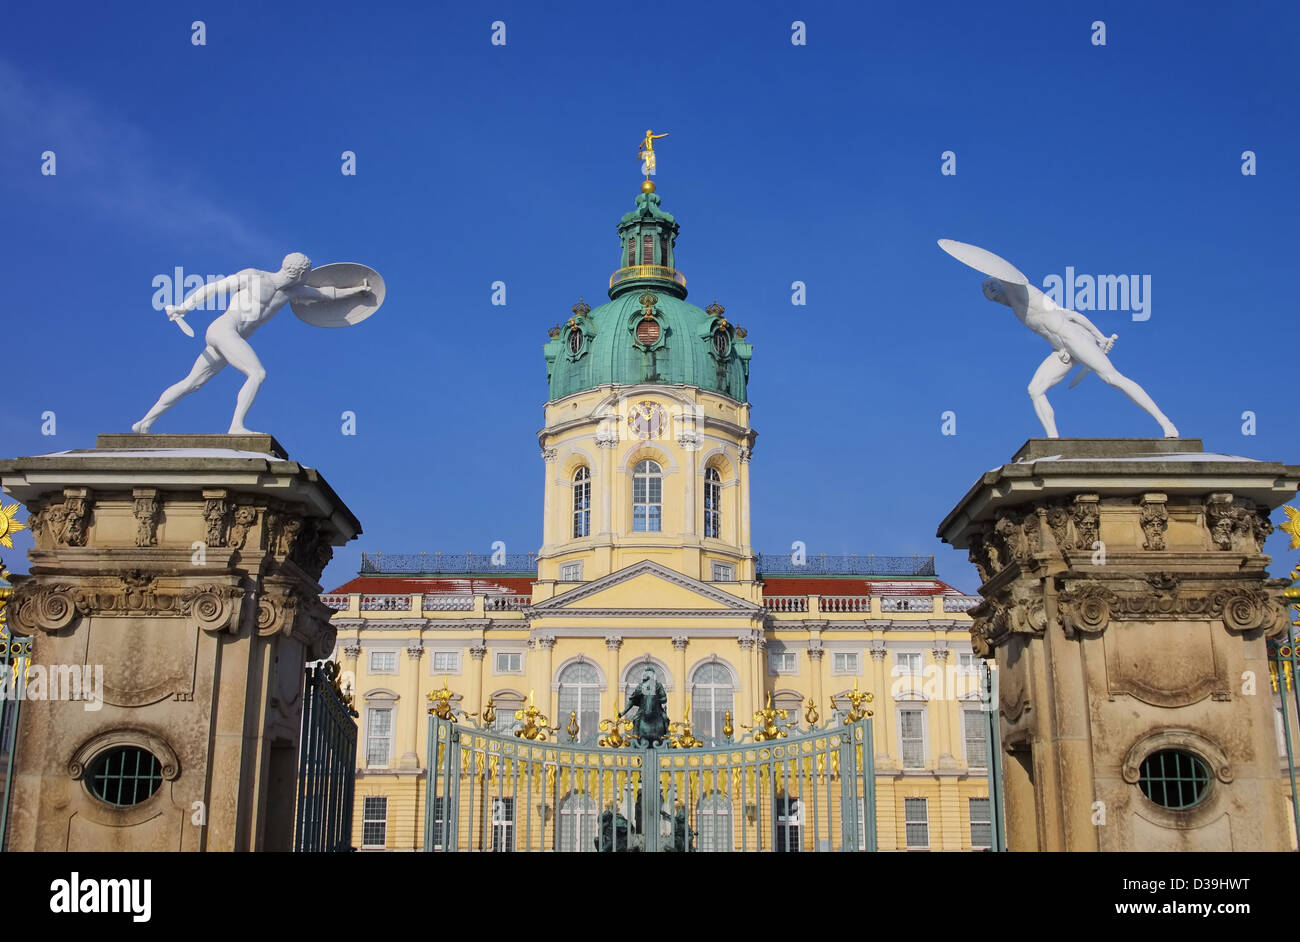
(580, 693)
(712, 695)
(582, 502)
(713, 823)
(577, 823)
(712, 503)
(647, 497)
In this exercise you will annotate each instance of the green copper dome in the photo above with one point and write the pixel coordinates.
(647, 332)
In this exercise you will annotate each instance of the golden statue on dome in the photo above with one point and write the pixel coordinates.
(646, 154)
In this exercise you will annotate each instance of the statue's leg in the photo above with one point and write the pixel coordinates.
(1050, 372)
(241, 356)
(1113, 377)
(205, 367)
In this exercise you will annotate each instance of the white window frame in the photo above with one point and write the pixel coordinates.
(581, 503)
(496, 662)
(706, 716)
(925, 737)
(986, 822)
(370, 661)
(649, 477)
(853, 671)
(455, 661)
(713, 507)
(965, 739)
(775, 666)
(723, 572)
(917, 677)
(391, 710)
(910, 804)
(503, 828)
(571, 572)
(366, 819)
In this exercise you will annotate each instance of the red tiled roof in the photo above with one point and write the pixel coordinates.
(800, 585)
(437, 585)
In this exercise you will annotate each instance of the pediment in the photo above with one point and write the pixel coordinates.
(647, 585)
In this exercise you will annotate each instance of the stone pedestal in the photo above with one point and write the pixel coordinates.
(1127, 603)
(182, 570)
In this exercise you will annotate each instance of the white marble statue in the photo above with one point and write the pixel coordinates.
(254, 298)
(1073, 337)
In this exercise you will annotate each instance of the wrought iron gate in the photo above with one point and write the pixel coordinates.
(327, 761)
(805, 791)
(15, 657)
(1283, 661)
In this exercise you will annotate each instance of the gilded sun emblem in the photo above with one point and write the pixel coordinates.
(9, 526)
(1292, 526)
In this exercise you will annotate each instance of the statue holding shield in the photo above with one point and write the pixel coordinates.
(331, 296)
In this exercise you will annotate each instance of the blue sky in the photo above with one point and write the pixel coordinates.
(821, 163)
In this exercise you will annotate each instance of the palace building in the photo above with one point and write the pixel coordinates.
(646, 560)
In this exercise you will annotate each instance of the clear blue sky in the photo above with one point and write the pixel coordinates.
(478, 163)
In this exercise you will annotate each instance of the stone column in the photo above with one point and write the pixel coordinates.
(883, 715)
(186, 582)
(549, 695)
(746, 698)
(1126, 595)
(943, 707)
(746, 452)
(760, 673)
(351, 651)
(411, 757)
(613, 644)
(679, 647)
(477, 651)
(551, 534)
(816, 657)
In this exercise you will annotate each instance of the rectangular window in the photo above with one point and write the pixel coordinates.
(783, 662)
(503, 824)
(908, 665)
(842, 663)
(911, 738)
(510, 662)
(383, 662)
(981, 824)
(723, 572)
(977, 744)
(379, 736)
(916, 823)
(571, 572)
(786, 837)
(968, 675)
(374, 822)
(446, 662)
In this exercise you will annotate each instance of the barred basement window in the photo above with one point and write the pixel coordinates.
(916, 823)
(712, 503)
(582, 502)
(981, 824)
(124, 776)
(374, 822)
(1174, 779)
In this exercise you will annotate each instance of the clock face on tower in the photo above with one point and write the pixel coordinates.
(646, 420)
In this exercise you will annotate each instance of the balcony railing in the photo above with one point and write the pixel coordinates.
(448, 603)
(507, 603)
(385, 603)
(448, 562)
(846, 603)
(773, 564)
(960, 603)
(786, 603)
(647, 271)
(337, 602)
(907, 603)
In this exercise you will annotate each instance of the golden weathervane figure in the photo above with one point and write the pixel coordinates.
(646, 154)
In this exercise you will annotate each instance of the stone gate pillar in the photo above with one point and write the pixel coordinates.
(1127, 603)
(174, 596)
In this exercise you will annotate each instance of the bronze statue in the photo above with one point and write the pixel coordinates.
(651, 723)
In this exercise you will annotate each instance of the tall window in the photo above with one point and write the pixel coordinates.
(977, 748)
(911, 738)
(379, 736)
(712, 695)
(647, 250)
(981, 823)
(647, 497)
(582, 502)
(916, 823)
(503, 824)
(713, 825)
(577, 823)
(374, 822)
(908, 667)
(712, 503)
(580, 693)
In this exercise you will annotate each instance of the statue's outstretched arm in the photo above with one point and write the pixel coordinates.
(228, 285)
(326, 293)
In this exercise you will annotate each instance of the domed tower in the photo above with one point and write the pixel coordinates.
(647, 439)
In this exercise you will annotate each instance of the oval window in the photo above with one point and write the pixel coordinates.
(575, 341)
(1174, 779)
(647, 332)
(124, 775)
(721, 342)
